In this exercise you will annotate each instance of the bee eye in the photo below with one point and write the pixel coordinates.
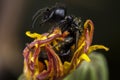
(60, 12)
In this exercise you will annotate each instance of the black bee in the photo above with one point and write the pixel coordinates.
(57, 14)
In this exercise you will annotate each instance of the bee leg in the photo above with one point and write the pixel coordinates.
(36, 16)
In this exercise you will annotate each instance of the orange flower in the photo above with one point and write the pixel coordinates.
(52, 68)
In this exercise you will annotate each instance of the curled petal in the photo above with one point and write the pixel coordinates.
(88, 32)
(90, 27)
(57, 62)
(46, 73)
(54, 68)
(33, 35)
(95, 47)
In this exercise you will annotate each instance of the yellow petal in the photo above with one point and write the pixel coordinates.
(95, 47)
(32, 59)
(32, 35)
(36, 45)
(66, 66)
(80, 48)
(85, 57)
(55, 43)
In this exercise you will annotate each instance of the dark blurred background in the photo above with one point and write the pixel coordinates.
(16, 19)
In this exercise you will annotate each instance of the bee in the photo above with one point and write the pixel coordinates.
(69, 23)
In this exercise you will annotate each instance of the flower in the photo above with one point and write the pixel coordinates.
(52, 67)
